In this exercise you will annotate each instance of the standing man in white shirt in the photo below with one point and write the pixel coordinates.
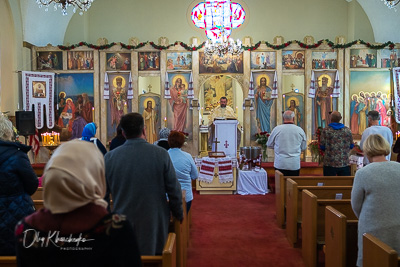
(287, 140)
(375, 128)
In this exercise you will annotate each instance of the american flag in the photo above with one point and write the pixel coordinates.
(34, 142)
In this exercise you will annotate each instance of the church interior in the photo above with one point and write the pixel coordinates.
(162, 60)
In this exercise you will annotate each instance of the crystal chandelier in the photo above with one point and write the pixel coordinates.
(222, 48)
(82, 5)
(391, 3)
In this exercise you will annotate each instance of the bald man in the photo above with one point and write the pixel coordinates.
(336, 141)
(287, 140)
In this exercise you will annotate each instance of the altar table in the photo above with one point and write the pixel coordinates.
(252, 182)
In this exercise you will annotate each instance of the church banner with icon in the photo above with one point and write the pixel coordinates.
(38, 93)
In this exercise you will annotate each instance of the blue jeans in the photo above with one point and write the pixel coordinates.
(337, 171)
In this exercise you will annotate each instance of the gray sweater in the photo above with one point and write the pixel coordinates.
(375, 200)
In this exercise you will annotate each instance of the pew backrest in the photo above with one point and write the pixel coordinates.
(378, 254)
(340, 238)
(294, 202)
(168, 257)
(313, 223)
(8, 261)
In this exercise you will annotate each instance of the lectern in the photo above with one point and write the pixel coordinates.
(226, 133)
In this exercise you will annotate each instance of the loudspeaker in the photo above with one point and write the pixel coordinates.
(25, 121)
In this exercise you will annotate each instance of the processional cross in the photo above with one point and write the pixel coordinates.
(216, 144)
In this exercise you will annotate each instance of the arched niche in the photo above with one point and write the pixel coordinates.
(212, 87)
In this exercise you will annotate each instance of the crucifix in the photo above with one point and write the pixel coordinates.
(216, 144)
(293, 86)
(149, 87)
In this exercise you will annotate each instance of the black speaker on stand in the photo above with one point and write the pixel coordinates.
(25, 121)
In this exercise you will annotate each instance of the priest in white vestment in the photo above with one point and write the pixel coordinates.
(222, 112)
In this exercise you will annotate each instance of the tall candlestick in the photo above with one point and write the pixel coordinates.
(331, 103)
(93, 113)
(165, 121)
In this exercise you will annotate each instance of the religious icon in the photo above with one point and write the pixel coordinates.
(263, 60)
(324, 60)
(263, 101)
(215, 88)
(74, 103)
(295, 102)
(49, 60)
(150, 109)
(323, 99)
(118, 101)
(293, 59)
(214, 64)
(365, 97)
(363, 58)
(179, 102)
(39, 89)
(118, 61)
(179, 61)
(389, 58)
(149, 60)
(80, 60)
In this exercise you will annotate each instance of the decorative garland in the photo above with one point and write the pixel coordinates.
(389, 44)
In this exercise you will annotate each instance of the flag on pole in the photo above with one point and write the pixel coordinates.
(34, 142)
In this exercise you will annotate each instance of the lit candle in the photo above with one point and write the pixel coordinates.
(331, 104)
(202, 111)
(93, 113)
(165, 121)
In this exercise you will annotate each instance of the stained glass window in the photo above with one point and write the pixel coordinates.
(218, 18)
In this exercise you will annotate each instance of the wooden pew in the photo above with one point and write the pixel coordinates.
(294, 200)
(168, 257)
(180, 229)
(8, 261)
(313, 223)
(378, 254)
(38, 204)
(340, 238)
(38, 195)
(280, 192)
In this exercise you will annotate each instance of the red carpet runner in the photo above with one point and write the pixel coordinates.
(234, 230)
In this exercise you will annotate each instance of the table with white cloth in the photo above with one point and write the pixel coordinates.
(254, 182)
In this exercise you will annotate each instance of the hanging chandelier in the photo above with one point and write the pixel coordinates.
(81, 5)
(223, 48)
(391, 3)
(218, 18)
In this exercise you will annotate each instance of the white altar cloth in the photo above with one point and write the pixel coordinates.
(252, 182)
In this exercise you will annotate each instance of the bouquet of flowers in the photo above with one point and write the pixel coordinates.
(262, 138)
(185, 134)
(316, 152)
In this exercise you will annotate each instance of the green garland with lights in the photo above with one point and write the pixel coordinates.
(389, 44)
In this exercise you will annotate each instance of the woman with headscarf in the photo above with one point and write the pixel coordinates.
(163, 141)
(88, 134)
(17, 182)
(74, 227)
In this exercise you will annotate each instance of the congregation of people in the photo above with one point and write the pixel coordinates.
(144, 182)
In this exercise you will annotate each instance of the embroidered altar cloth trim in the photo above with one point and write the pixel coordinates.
(225, 169)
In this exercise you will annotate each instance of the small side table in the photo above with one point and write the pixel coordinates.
(252, 182)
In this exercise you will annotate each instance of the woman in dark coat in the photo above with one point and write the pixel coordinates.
(17, 182)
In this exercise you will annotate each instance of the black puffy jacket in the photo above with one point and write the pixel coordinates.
(17, 182)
